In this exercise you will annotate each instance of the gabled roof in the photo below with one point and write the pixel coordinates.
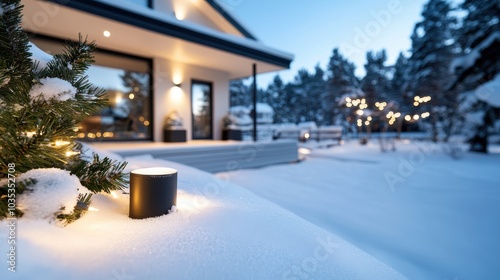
(231, 19)
(157, 22)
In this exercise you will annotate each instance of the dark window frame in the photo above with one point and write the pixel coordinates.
(149, 61)
(211, 106)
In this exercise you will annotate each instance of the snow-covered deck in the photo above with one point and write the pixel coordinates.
(211, 156)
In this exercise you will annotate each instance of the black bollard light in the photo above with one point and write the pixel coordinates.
(153, 191)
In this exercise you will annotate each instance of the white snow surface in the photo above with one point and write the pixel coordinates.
(469, 59)
(41, 203)
(56, 88)
(220, 231)
(489, 92)
(37, 55)
(435, 218)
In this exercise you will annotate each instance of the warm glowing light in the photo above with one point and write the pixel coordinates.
(369, 118)
(360, 124)
(397, 115)
(91, 135)
(349, 105)
(363, 101)
(306, 135)
(114, 195)
(416, 117)
(360, 112)
(93, 209)
(118, 98)
(81, 135)
(408, 118)
(107, 134)
(72, 153)
(347, 99)
(415, 103)
(98, 134)
(416, 98)
(131, 96)
(106, 33)
(30, 133)
(377, 104)
(146, 123)
(367, 123)
(425, 115)
(304, 151)
(60, 143)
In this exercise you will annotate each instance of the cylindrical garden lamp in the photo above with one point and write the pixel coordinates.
(153, 191)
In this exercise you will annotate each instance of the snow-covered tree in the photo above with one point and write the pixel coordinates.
(478, 69)
(43, 99)
(433, 45)
(397, 82)
(239, 93)
(341, 82)
(375, 84)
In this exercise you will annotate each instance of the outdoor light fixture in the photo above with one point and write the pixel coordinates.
(178, 85)
(153, 192)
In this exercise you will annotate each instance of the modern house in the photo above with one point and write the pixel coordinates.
(155, 57)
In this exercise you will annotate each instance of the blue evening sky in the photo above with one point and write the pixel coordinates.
(310, 29)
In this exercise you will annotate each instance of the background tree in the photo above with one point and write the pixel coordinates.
(375, 84)
(341, 82)
(429, 65)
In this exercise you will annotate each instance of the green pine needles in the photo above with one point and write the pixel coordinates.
(41, 105)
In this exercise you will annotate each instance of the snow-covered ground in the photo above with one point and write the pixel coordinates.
(221, 231)
(416, 209)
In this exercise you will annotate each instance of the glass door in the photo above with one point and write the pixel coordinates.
(201, 109)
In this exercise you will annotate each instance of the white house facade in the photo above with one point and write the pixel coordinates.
(155, 57)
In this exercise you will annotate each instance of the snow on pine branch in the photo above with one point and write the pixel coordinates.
(468, 60)
(489, 92)
(39, 56)
(53, 88)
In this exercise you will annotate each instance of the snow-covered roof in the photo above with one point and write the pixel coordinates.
(264, 108)
(183, 29)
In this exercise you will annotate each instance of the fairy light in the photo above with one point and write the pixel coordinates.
(416, 117)
(360, 112)
(60, 143)
(407, 118)
(72, 153)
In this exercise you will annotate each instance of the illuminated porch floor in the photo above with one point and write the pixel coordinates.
(211, 155)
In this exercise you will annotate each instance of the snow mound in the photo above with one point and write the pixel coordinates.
(54, 188)
(53, 88)
(220, 231)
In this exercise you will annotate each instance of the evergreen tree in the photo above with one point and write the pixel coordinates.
(480, 39)
(239, 93)
(341, 82)
(399, 79)
(276, 92)
(429, 65)
(40, 107)
(375, 84)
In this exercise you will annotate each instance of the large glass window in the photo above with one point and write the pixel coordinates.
(127, 81)
(201, 108)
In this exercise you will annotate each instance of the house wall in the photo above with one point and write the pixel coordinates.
(167, 98)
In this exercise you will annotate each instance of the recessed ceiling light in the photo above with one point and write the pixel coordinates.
(106, 33)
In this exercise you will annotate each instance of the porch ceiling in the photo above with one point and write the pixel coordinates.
(67, 23)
